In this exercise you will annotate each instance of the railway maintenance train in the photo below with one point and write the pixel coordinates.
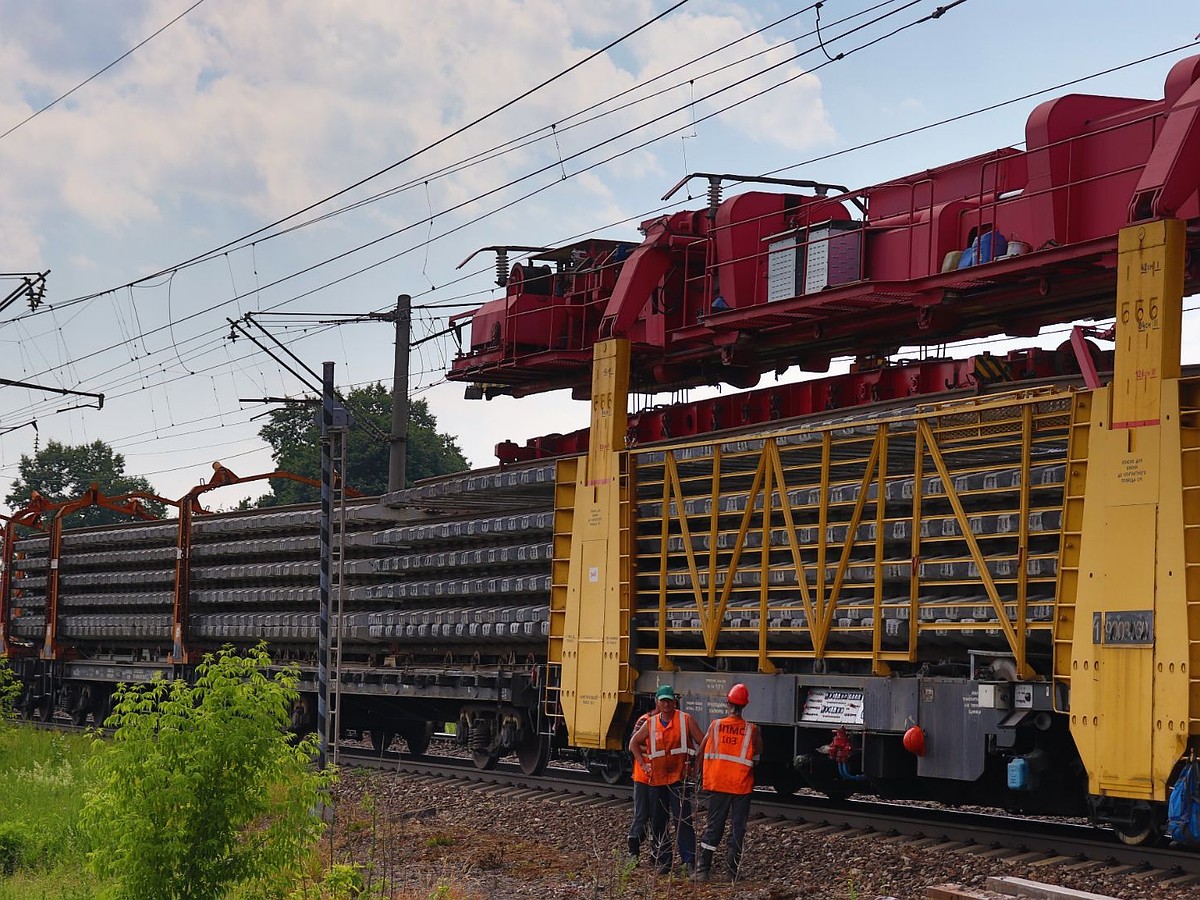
(971, 580)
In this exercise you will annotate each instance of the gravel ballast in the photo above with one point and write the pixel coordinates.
(422, 837)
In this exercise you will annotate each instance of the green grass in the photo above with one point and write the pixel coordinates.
(64, 882)
(42, 853)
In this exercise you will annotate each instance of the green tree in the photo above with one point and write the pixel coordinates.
(200, 790)
(295, 438)
(63, 472)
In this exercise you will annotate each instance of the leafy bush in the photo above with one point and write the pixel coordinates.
(12, 844)
(10, 690)
(341, 882)
(200, 789)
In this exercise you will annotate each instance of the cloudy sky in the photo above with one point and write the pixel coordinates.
(244, 112)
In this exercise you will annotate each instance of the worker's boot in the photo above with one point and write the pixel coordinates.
(732, 862)
(635, 847)
(703, 865)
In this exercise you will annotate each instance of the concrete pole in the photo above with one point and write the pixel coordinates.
(328, 401)
(397, 459)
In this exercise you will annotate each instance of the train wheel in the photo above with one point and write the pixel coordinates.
(484, 761)
(1136, 833)
(82, 708)
(417, 736)
(380, 739)
(480, 740)
(43, 709)
(103, 708)
(612, 769)
(533, 754)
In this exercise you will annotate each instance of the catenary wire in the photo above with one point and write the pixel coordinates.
(1026, 96)
(91, 78)
(411, 156)
(535, 173)
(164, 272)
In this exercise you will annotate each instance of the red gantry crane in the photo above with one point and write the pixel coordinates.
(1004, 243)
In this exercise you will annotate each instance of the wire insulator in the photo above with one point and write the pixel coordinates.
(502, 267)
(714, 196)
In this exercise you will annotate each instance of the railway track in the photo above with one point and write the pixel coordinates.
(972, 834)
(980, 839)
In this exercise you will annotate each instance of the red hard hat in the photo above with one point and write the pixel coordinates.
(738, 695)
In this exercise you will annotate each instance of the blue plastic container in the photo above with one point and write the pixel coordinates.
(985, 248)
(1018, 774)
(991, 245)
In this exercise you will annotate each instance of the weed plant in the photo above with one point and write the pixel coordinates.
(42, 849)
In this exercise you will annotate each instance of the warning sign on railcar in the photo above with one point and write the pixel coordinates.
(832, 706)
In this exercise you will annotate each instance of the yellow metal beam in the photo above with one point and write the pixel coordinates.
(914, 577)
(673, 490)
(1128, 675)
(964, 523)
(790, 527)
(764, 567)
(1023, 537)
(878, 666)
(663, 559)
(713, 626)
(821, 635)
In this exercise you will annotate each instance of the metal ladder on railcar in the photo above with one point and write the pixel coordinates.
(564, 510)
(1189, 427)
(1072, 535)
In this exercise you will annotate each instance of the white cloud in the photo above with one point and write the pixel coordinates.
(271, 105)
(240, 113)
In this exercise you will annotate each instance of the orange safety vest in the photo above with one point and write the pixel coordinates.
(669, 750)
(729, 756)
(639, 774)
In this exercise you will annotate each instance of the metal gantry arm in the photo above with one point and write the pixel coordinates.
(67, 392)
(31, 516)
(189, 506)
(129, 504)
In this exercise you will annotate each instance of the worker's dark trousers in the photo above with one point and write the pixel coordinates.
(736, 808)
(641, 816)
(670, 804)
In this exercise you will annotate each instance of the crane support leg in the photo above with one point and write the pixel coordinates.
(590, 597)
(1131, 547)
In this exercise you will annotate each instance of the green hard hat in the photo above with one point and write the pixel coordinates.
(666, 692)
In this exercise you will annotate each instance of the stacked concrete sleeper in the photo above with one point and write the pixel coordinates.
(428, 571)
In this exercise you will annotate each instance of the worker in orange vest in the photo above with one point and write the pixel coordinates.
(727, 756)
(664, 747)
(641, 800)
